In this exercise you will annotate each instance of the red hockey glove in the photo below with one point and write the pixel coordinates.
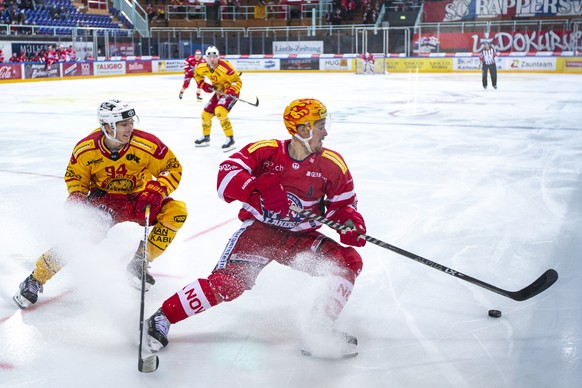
(152, 195)
(231, 91)
(206, 87)
(349, 217)
(272, 193)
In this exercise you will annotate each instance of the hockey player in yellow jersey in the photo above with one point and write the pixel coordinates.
(224, 82)
(119, 171)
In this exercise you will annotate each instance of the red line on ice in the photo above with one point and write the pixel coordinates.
(209, 229)
(37, 305)
(31, 173)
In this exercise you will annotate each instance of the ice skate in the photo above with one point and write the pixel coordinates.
(135, 267)
(332, 344)
(181, 94)
(28, 292)
(228, 144)
(158, 327)
(204, 141)
(199, 98)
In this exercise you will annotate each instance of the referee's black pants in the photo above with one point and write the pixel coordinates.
(493, 70)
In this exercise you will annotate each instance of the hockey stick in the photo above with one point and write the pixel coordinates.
(539, 285)
(150, 363)
(256, 103)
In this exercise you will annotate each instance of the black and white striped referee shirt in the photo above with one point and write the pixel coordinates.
(488, 56)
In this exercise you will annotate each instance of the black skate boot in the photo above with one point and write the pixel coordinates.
(228, 144)
(28, 292)
(204, 141)
(158, 327)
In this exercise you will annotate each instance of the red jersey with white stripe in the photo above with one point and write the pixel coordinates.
(321, 183)
(50, 56)
(190, 64)
(368, 57)
(71, 53)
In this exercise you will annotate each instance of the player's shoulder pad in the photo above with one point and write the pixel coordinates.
(202, 67)
(335, 158)
(88, 143)
(148, 143)
(226, 67)
(262, 144)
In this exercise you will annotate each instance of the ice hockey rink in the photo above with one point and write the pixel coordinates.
(486, 182)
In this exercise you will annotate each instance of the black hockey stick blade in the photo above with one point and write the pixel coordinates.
(148, 364)
(256, 103)
(539, 285)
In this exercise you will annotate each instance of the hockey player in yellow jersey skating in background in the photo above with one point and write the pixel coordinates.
(224, 82)
(118, 171)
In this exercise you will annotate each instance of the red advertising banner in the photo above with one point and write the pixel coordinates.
(10, 71)
(77, 69)
(136, 67)
(516, 42)
(460, 10)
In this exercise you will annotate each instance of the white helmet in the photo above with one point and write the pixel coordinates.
(212, 50)
(111, 112)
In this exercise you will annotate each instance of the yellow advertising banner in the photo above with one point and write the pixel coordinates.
(570, 65)
(423, 65)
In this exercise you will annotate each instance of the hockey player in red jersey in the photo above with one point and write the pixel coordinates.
(71, 53)
(116, 171)
(368, 63)
(22, 57)
(190, 64)
(266, 176)
(50, 57)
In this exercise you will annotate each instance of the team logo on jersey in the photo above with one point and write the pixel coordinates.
(295, 166)
(285, 221)
(173, 163)
(72, 174)
(132, 157)
(120, 185)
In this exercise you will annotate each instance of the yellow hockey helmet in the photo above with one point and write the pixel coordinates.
(301, 111)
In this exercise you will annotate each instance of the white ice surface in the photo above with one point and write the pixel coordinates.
(486, 182)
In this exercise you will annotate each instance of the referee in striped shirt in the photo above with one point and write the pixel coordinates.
(487, 58)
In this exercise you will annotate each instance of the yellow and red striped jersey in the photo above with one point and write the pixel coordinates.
(93, 166)
(224, 76)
